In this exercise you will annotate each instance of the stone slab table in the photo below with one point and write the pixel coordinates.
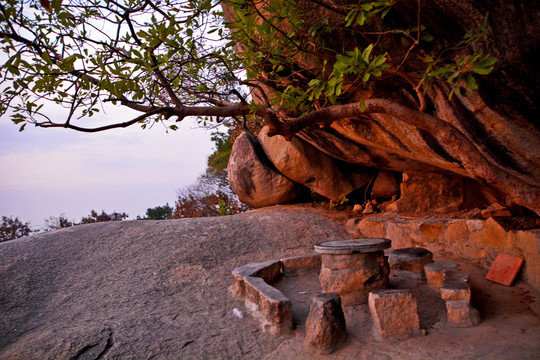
(354, 268)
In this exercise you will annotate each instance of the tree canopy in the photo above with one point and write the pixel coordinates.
(172, 59)
(292, 64)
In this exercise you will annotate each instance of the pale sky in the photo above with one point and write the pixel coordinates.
(48, 172)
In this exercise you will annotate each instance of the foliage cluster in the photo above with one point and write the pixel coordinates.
(95, 217)
(55, 223)
(167, 58)
(157, 213)
(210, 195)
(13, 228)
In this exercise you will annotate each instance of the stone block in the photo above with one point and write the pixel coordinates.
(325, 324)
(268, 305)
(290, 264)
(394, 314)
(409, 262)
(435, 272)
(267, 270)
(456, 286)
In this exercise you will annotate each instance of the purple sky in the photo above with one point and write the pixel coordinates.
(48, 172)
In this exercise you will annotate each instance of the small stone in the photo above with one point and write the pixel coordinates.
(358, 208)
(395, 314)
(368, 209)
(435, 272)
(238, 313)
(325, 325)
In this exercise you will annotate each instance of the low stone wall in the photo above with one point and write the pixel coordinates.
(475, 240)
(265, 303)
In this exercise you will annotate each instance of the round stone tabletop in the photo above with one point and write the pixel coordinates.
(343, 247)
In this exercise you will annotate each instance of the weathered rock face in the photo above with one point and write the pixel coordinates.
(254, 179)
(306, 165)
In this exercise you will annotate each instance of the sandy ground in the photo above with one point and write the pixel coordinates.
(159, 290)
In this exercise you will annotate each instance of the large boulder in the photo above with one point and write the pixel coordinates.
(385, 186)
(306, 165)
(253, 177)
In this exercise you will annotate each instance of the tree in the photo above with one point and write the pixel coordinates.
(13, 229)
(209, 196)
(55, 223)
(157, 213)
(94, 217)
(467, 93)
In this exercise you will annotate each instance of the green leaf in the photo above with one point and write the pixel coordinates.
(482, 71)
(471, 82)
(487, 62)
(338, 87)
(361, 18)
(367, 52)
(46, 57)
(57, 5)
(22, 127)
(350, 17)
(362, 105)
(314, 82)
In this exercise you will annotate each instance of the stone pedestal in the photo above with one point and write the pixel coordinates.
(354, 268)
(325, 325)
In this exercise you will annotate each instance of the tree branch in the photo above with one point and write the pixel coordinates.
(67, 125)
